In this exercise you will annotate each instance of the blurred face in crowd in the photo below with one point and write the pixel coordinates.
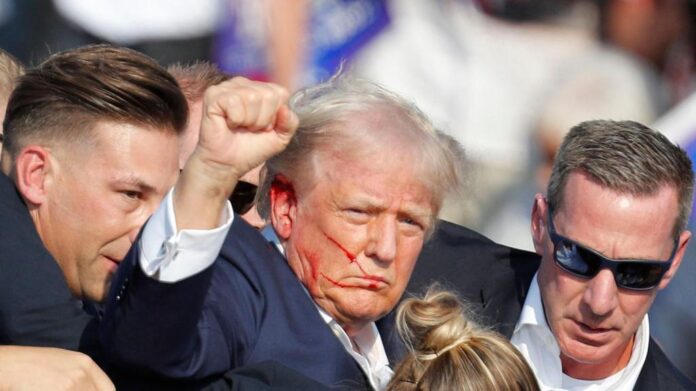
(594, 320)
(96, 197)
(352, 233)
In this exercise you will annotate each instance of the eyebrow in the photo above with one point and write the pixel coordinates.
(409, 209)
(132, 180)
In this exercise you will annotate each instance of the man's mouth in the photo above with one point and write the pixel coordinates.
(113, 262)
(371, 282)
(592, 335)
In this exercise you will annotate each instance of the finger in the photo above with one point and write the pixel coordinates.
(286, 121)
(253, 98)
(232, 108)
(219, 102)
(269, 108)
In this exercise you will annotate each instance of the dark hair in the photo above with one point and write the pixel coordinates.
(62, 99)
(624, 156)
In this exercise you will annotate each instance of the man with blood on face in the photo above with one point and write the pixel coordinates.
(351, 200)
(619, 193)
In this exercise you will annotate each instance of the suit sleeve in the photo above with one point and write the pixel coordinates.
(161, 328)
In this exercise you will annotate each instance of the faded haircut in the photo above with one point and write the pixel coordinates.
(626, 157)
(62, 99)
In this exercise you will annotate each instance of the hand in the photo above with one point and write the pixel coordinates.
(244, 124)
(34, 368)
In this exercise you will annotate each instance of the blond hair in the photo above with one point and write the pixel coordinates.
(448, 351)
(10, 70)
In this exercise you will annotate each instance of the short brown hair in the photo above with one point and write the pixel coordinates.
(71, 91)
(195, 78)
(624, 156)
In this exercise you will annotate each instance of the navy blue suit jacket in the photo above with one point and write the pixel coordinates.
(36, 306)
(248, 307)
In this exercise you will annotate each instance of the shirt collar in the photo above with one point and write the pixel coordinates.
(533, 311)
(533, 337)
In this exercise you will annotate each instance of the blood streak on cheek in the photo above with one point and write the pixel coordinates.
(338, 284)
(351, 256)
(313, 261)
(353, 259)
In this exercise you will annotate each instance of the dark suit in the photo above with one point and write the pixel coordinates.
(36, 307)
(246, 308)
(495, 279)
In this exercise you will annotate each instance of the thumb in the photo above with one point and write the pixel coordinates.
(286, 122)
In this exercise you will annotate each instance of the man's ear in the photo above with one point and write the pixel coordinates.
(32, 171)
(283, 206)
(683, 242)
(539, 211)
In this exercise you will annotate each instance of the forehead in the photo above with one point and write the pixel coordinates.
(619, 225)
(381, 181)
(116, 150)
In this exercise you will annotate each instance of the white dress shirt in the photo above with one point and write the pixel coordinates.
(533, 337)
(169, 255)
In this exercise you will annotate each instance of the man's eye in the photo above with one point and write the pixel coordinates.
(131, 194)
(411, 222)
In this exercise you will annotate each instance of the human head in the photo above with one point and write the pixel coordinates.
(623, 191)
(194, 79)
(10, 70)
(91, 144)
(448, 351)
(354, 195)
(626, 157)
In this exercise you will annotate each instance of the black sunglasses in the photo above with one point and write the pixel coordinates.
(242, 197)
(584, 262)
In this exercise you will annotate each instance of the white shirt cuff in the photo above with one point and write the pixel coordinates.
(170, 256)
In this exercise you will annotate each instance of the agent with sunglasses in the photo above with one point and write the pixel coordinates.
(611, 234)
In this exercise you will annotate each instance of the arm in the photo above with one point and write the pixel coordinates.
(162, 327)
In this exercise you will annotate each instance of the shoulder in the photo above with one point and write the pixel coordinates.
(659, 373)
(463, 259)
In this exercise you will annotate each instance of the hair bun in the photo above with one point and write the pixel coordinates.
(433, 324)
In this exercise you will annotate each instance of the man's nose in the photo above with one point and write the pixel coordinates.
(601, 293)
(383, 239)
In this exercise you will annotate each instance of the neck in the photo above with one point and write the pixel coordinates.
(597, 371)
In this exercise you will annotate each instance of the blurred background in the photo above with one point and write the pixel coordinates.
(506, 78)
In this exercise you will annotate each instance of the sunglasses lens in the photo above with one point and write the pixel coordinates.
(242, 198)
(637, 275)
(573, 258)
